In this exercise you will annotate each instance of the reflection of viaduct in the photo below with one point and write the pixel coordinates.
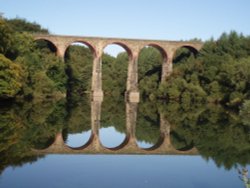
(133, 48)
(129, 145)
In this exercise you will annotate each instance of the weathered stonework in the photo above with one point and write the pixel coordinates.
(133, 48)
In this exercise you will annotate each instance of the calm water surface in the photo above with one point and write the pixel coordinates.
(113, 144)
(120, 171)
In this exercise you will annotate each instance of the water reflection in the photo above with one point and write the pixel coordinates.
(123, 171)
(111, 138)
(148, 126)
(243, 175)
(44, 142)
(208, 131)
(129, 145)
(77, 140)
(77, 130)
(112, 128)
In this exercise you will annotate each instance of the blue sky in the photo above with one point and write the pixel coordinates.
(149, 19)
(143, 19)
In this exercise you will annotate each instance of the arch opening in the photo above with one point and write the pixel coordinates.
(161, 50)
(113, 124)
(119, 47)
(78, 124)
(78, 140)
(148, 134)
(46, 71)
(150, 62)
(79, 58)
(115, 60)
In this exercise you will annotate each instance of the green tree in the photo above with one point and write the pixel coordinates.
(22, 25)
(5, 37)
(245, 112)
(79, 61)
(11, 78)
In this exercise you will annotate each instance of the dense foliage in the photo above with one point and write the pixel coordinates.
(26, 70)
(217, 133)
(25, 126)
(22, 25)
(115, 74)
(10, 84)
(79, 60)
(220, 74)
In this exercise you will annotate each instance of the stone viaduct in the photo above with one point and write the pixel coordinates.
(132, 47)
(128, 146)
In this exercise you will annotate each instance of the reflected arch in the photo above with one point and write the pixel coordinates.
(112, 139)
(112, 130)
(153, 146)
(148, 137)
(44, 143)
(148, 132)
(77, 132)
(119, 146)
(77, 141)
(179, 143)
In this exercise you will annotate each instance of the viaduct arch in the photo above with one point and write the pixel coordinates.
(133, 48)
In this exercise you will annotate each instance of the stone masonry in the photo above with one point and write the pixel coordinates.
(133, 48)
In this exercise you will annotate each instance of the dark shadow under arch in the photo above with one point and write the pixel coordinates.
(85, 145)
(184, 52)
(183, 145)
(156, 145)
(119, 147)
(43, 143)
(45, 44)
(191, 48)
